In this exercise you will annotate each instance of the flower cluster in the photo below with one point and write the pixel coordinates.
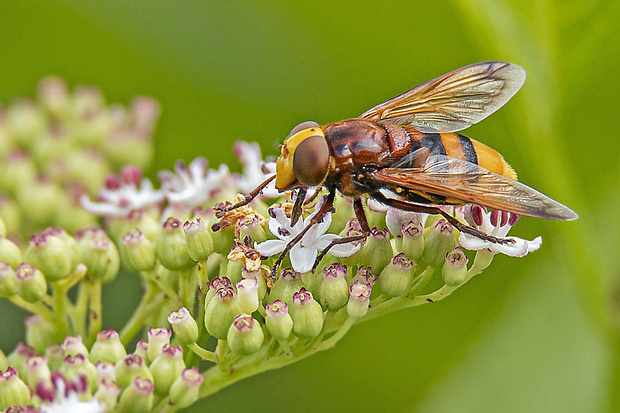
(214, 292)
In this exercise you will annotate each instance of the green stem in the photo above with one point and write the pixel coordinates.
(188, 283)
(144, 310)
(203, 353)
(163, 286)
(34, 308)
(78, 315)
(96, 311)
(60, 308)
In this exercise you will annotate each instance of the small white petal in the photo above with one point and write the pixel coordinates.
(270, 247)
(471, 243)
(302, 258)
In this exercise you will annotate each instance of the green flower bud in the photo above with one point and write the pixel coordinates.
(139, 251)
(39, 333)
(483, 259)
(413, 240)
(40, 201)
(247, 295)
(307, 315)
(12, 389)
(38, 372)
(108, 348)
(198, 239)
(11, 214)
(250, 225)
(10, 253)
(166, 368)
(376, 214)
(184, 326)
(220, 313)
(278, 321)
(105, 371)
(233, 270)
(365, 276)
(18, 172)
(245, 335)
(184, 391)
(99, 254)
(285, 286)
(172, 248)
(142, 348)
(72, 346)
(129, 368)
(31, 285)
(55, 356)
(107, 393)
(137, 397)
(18, 357)
(260, 279)
(396, 278)
(223, 239)
(26, 122)
(79, 365)
(51, 255)
(334, 291)
(53, 94)
(454, 270)
(359, 300)
(215, 285)
(377, 251)
(8, 283)
(438, 243)
(157, 339)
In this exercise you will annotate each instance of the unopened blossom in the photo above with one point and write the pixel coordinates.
(255, 170)
(122, 196)
(396, 218)
(496, 223)
(195, 184)
(304, 253)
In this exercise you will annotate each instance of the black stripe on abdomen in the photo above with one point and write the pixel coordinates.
(468, 149)
(434, 144)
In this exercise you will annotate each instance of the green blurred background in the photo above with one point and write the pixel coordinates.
(533, 334)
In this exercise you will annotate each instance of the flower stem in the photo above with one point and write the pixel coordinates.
(163, 286)
(35, 308)
(188, 282)
(144, 310)
(203, 353)
(95, 318)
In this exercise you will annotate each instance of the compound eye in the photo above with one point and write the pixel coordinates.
(303, 125)
(311, 160)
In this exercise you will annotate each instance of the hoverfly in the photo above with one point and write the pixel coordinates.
(405, 153)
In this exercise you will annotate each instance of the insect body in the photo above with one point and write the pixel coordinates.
(406, 154)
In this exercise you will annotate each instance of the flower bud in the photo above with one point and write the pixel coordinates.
(18, 357)
(39, 333)
(107, 393)
(166, 368)
(142, 348)
(139, 251)
(250, 225)
(72, 346)
(79, 365)
(377, 251)
(307, 315)
(157, 339)
(137, 397)
(40, 201)
(359, 299)
(18, 172)
(220, 313)
(12, 389)
(108, 348)
(100, 256)
(11, 214)
(334, 291)
(38, 374)
(184, 326)
(438, 243)
(9, 252)
(233, 270)
(278, 321)
(396, 278)
(105, 371)
(288, 284)
(245, 335)
(55, 356)
(31, 285)
(247, 295)
(454, 270)
(259, 275)
(365, 276)
(50, 254)
(3, 230)
(129, 368)
(8, 283)
(198, 239)
(185, 389)
(413, 240)
(172, 247)
(26, 121)
(215, 285)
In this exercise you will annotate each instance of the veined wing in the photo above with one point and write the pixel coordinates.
(454, 101)
(471, 183)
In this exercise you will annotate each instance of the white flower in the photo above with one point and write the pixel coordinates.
(496, 223)
(122, 196)
(192, 186)
(255, 170)
(396, 218)
(304, 253)
(69, 402)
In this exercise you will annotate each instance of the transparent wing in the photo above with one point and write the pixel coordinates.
(471, 183)
(454, 101)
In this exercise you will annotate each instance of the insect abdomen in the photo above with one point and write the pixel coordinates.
(459, 146)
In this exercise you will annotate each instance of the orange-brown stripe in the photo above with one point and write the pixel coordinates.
(453, 146)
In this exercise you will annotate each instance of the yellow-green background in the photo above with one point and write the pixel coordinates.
(538, 334)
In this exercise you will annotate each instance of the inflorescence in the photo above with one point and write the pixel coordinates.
(206, 295)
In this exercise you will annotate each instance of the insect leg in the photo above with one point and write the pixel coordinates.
(299, 201)
(408, 206)
(329, 202)
(220, 211)
(361, 217)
